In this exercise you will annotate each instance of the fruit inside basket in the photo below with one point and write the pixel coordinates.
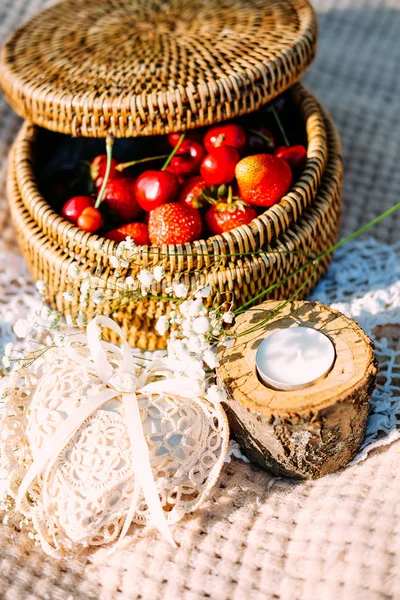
(175, 188)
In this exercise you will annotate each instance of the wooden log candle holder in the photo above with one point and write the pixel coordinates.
(302, 433)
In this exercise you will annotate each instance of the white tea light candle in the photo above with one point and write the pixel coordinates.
(294, 358)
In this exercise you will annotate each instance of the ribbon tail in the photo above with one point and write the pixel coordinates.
(142, 466)
(129, 516)
(53, 446)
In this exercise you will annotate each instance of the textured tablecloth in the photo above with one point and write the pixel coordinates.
(259, 537)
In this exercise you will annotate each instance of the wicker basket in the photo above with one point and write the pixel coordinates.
(309, 234)
(173, 66)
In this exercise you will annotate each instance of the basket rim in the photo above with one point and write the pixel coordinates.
(329, 190)
(202, 80)
(262, 230)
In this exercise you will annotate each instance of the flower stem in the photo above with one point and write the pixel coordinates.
(174, 151)
(317, 258)
(109, 149)
(132, 163)
(279, 122)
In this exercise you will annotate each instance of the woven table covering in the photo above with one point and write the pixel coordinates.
(259, 537)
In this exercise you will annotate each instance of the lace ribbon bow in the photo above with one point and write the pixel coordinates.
(125, 384)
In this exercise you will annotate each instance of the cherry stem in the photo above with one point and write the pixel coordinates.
(174, 151)
(109, 150)
(230, 195)
(279, 122)
(264, 137)
(132, 163)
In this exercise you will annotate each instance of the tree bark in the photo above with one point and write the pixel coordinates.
(305, 433)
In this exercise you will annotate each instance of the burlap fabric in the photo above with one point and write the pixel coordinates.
(260, 538)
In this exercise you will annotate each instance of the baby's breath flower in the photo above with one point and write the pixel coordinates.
(228, 342)
(73, 270)
(211, 359)
(124, 263)
(201, 325)
(81, 321)
(61, 340)
(216, 394)
(228, 317)
(41, 286)
(129, 281)
(162, 325)
(8, 349)
(180, 290)
(22, 328)
(145, 278)
(114, 262)
(69, 320)
(6, 362)
(203, 292)
(68, 296)
(158, 273)
(98, 296)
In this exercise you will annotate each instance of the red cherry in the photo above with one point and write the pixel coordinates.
(187, 159)
(228, 134)
(98, 169)
(154, 188)
(73, 209)
(295, 156)
(219, 167)
(120, 198)
(192, 192)
(194, 134)
(90, 219)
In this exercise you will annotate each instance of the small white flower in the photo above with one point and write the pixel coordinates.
(145, 278)
(85, 286)
(162, 325)
(216, 394)
(73, 270)
(129, 281)
(180, 290)
(201, 325)
(81, 321)
(6, 362)
(98, 296)
(203, 292)
(114, 262)
(69, 320)
(8, 349)
(21, 328)
(158, 273)
(211, 359)
(228, 342)
(44, 313)
(196, 308)
(228, 317)
(61, 340)
(68, 296)
(124, 264)
(41, 286)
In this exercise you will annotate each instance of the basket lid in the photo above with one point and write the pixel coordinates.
(145, 67)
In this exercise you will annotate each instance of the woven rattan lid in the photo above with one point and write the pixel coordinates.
(141, 67)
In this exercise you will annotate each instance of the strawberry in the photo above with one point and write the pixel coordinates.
(98, 169)
(120, 198)
(263, 179)
(192, 192)
(174, 223)
(138, 232)
(228, 214)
